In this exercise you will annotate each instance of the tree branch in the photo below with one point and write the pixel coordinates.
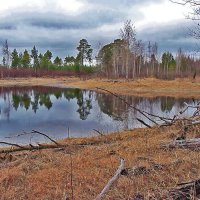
(111, 181)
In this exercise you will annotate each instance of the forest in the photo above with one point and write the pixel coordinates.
(125, 57)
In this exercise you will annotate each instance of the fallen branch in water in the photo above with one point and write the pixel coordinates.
(144, 113)
(100, 133)
(111, 181)
(33, 131)
(12, 144)
(144, 123)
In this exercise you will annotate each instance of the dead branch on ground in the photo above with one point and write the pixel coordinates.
(189, 143)
(189, 190)
(111, 181)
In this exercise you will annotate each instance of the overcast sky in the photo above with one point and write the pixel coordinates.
(58, 25)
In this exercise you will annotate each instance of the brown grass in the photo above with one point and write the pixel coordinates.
(46, 174)
(42, 175)
(150, 87)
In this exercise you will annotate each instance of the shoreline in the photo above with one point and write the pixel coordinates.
(149, 87)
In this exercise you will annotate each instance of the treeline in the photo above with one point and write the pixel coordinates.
(126, 57)
(38, 61)
(130, 58)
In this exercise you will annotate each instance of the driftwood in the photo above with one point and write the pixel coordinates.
(31, 147)
(185, 191)
(111, 181)
(188, 143)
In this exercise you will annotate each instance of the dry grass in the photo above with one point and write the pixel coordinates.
(150, 87)
(47, 174)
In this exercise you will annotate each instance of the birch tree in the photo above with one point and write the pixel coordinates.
(128, 34)
(6, 54)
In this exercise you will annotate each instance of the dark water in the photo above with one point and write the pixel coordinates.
(54, 110)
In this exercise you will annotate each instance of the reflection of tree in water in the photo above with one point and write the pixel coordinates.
(26, 100)
(112, 106)
(84, 103)
(118, 110)
(58, 94)
(167, 103)
(23, 98)
(16, 99)
(34, 97)
(35, 102)
(45, 100)
(71, 93)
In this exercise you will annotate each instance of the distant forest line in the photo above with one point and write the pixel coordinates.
(126, 57)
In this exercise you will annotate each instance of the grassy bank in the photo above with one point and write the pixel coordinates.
(149, 87)
(47, 174)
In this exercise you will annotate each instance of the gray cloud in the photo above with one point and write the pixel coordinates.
(98, 21)
(122, 3)
(171, 37)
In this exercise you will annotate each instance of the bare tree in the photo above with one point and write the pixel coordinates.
(140, 48)
(128, 34)
(184, 2)
(6, 53)
(194, 15)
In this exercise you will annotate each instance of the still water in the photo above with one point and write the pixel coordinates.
(53, 110)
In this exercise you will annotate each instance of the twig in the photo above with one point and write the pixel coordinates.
(21, 134)
(12, 144)
(141, 121)
(33, 131)
(98, 132)
(111, 181)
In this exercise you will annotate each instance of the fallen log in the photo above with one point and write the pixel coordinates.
(111, 181)
(31, 148)
(188, 143)
(186, 191)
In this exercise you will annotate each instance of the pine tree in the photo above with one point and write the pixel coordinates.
(85, 52)
(26, 60)
(69, 60)
(15, 59)
(57, 61)
(34, 55)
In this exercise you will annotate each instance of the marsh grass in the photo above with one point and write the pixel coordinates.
(47, 174)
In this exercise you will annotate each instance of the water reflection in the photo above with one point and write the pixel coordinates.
(53, 110)
(35, 97)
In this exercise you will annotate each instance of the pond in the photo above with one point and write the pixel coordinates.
(55, 110)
